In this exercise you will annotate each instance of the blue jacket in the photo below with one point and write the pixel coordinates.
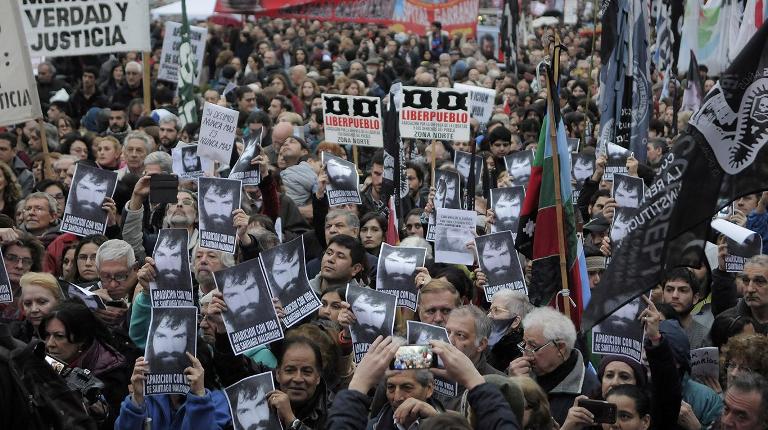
(210, 411)
(759, 224)
(706, 404)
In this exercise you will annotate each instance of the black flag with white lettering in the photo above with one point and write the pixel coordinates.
(719, 159)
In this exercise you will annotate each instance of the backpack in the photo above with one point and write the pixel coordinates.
(48, 403)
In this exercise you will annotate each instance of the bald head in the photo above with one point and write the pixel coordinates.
(281, 132)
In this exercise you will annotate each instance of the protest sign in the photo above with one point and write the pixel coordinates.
(352, 120)
(218, 130)
(172, 333)
(19, 100)
(92, 300)
(419, 333)
(622, 223)
(628, 191)
(169, 58)
(286, 273)
(374, 316)
(434, 113)
(342, 180)
(617, 160)
(250, 318)
(500, 263)
(172, 286)
(519, 166)
(187, 164)
(86, 27)
(218, 198)
(83, 214)
(481, 101)
(447, 195)
(506, 204)
(454, 231)
(739, 253)
(582, 167)
(705, 363)
(573, 144)
(6, 291)
(243, 170)
(396, 271)
(249, 406)
(621, 333)
(462, 162)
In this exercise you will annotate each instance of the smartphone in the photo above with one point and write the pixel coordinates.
(163, 188)
(116, 304)
(414, 357)
(604, 412)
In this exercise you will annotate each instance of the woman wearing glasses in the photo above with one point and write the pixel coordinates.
(508, 308)
(85, 271)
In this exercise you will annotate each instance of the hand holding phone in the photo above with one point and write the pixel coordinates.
(414, 357)
(604, 412)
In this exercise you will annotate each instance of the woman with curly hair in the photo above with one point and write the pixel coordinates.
(78, 145)
(281, 85)
(10, 191)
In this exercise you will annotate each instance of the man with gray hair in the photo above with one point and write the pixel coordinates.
(468, 330)
(41, 217)
(132, 88)
(754, 280)
(158, 162)
(135, 150)
(169, 131)
(549, 354)
(746, 402)
(409, 393)
(115, 263)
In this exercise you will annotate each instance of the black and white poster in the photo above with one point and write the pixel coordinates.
(498, 259)
(89, 27)
(375, 315)
(621, 333)
(622, 223)
(169, 57)
(172, 333)
(628, 191)
(447, 195)
(353, 120)
(217, 199)
(249, 405)
(342, 180)
(83, 214)
(250, 317)
(463, 164)
(573, 144)
(481, 101)
(519, 167)
(286, 273)
(739, 253)
(92, 300)
(434, 113)
(243, 170)
(617, 161)
(396, 271)
(582, 167)
(6, 291)
(188, 165)
(454, 232)
(419, 333)
(172, 286)
(16, 78)
(506, 204)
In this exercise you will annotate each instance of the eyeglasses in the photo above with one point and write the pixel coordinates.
(187, 202)
(86, 257)
(118, 277)
(533, 350)
(26, 262)
(731, 366)
(498, 310)
(759, 281)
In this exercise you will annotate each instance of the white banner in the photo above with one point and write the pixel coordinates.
(217, 133)
(169, 58)
(434, 113)
(86, 27)
(18, 90)
(481, 101)
(353, 120)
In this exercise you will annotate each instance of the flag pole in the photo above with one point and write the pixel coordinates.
(565, 291)
(147, 94)
(47, 167)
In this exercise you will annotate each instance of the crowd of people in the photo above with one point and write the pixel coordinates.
(516, 366)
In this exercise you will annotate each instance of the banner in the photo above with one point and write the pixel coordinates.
(18, 91)
(414, 16)
(481, 101)
(169, 58)
(218, 130)
(87, 27)
(352, 120)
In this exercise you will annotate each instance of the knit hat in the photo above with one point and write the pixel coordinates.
(595, 262)
(641, 376)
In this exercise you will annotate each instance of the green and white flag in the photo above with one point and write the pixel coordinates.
(187, 72)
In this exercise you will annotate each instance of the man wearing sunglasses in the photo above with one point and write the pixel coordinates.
(549, 355)
(752, 283)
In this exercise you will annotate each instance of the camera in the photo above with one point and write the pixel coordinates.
(77, 379)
